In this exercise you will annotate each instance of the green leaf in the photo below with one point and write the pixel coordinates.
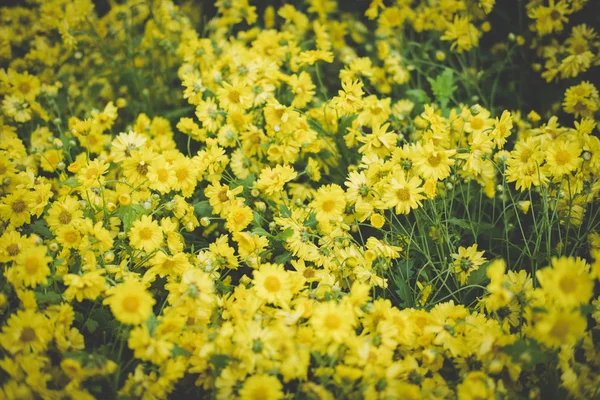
(526, 352)
(262, 232)
(443, 87)
(203, 208)
(48, 298)
(219, 361)
(91, 325)
(463, 223)
(72, 182)
(129, 214)
(418, 96)
(180, 351)
(311, 222)
(285, 235)
(283, 258)
(478, 276)
(40, 228)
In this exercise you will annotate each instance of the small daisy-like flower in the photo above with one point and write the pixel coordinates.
(263, 387)
(272, 284)
(33, 266)
(329, 202)
(130, 303)
(466, 261)
(562, 158)
(26, 331)
(403, 194)
(146, 234)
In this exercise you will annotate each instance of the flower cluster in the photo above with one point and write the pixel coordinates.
(295, 202)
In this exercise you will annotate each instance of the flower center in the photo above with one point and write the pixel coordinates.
(332, 321)
(146, 233)
(18, 206)
(27, 335)
(403, 194)
(64, 217)
(434, 161)
(568, 284)
(131, 304)
(272, 284)
(12, 249)
(328, 205)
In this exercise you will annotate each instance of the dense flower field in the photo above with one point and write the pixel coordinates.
(308, 200)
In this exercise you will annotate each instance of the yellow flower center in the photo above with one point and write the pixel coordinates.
(146, 233)
(70, 237)
(131, 304)
(24, 87)
(31, 265)
(562, 157)
(403, 194)
(328, 205)
(91, 173)
(182, 174)
(434, 161)
(27, 335)
(477, 123)
(568, 284)
(64, 217)
(234, 96)
(12, 249)
(142, 168)
(332, 321)
(163, 175)
(559, 331)
(272, 284)
(18, 206)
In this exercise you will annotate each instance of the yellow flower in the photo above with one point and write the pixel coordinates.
(87, 286)
(33, 266)
(403, 194)
(130, 303)
(329, 202)
(272, 180)
(11, 245)
(562, 157)
(236, 96)
(476, 385)
(261, 387)
(161, 175)
(26, 331)
(15, 208)
(186, 174)
(92, 173)
(146, 234)
(434, 163)
(581, 100)
(466, 261)
(238, 218)
(463, 34)
(146, 347)
(272, 284)
(560, 328)
(567, 282)
(64, 213)
(332, 322)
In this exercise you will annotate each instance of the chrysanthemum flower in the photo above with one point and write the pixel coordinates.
(329, 202)
(403, 194)
(146, 234)
(130, 303)
(567, 282)
(263, 387)
(26, 331)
